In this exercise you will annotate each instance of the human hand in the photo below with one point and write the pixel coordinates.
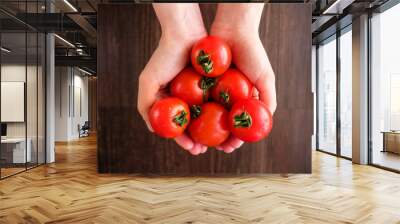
(248, 53)
(182, 26)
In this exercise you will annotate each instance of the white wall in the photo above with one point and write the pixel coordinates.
(33, 127)
(16, 73)
(9, 73)
(62, 81)
(71, 93)
(80, 103)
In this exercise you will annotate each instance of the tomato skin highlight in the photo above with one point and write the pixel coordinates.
(250, 120)
(231, 87)
(169, 117)
(187, 86)
(211, 56)
(210, 128)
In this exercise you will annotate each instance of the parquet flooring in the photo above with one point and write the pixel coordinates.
(71, 191)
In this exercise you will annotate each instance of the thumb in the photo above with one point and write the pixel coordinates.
(147, 121)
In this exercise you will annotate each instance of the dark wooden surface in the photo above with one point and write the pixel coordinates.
(127, 36)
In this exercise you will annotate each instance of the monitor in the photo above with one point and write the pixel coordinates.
(3, 129)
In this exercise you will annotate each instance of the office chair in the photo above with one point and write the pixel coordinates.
(84, 130)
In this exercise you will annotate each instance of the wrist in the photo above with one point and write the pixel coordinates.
(238, 18)
(182, 37)
(180, 22)
(234, 34)
(234, 28)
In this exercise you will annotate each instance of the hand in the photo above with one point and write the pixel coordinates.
(248, 54)
(181, 26)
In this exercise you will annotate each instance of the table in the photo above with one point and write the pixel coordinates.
(391, 141)
(16, 147)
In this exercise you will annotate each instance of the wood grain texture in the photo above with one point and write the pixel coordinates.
(71, 191)
(128, 35)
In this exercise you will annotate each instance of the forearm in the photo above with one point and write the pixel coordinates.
(179, 19)
(237, 17)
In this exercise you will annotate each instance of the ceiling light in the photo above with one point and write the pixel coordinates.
(84, 71)
(70, 5)
(338, 6)
(5, 50)
(65, 41)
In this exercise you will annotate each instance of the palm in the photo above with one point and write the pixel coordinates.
(249, 56)
(170, 57)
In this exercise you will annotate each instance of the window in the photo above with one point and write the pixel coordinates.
(335, 74)
(385, 88)
(327, 96)
(346, 92)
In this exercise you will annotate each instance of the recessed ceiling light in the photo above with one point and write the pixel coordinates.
(84, 71)
(5, 50)
(337, 7)
(64, 40)
(70, 5)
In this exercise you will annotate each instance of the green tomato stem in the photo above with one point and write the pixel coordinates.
(181, 119)
(205, 84)
(204, 60)
(195, 111)
(225, 97)
(242, 120)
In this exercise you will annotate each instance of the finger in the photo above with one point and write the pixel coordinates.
(220, 148)
(196, 149)
(146, 97)
(146, 120)
(235, 142)
(203, 149)
(185, 142)
(232, 142)
(229, 149)
(255, 94)
(266, 87)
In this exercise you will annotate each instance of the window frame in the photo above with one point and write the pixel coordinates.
(334, 37)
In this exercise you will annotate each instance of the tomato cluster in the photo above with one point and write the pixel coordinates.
(211, 100)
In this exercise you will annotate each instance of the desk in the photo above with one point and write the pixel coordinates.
(15, 148)
(391, 141)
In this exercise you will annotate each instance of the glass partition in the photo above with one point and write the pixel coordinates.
(22, 90)
(346, 93)
(327, 96)
(15, 152)
(385, 89)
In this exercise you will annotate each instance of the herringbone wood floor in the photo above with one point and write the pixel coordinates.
(71, 191)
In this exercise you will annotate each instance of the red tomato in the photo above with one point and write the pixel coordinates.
(211, 56)
(191, 87)
(210, 127)
(250, 120)
(169, 117)
(231, 87)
